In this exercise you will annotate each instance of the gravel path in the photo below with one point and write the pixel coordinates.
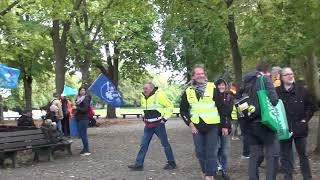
(115, 146)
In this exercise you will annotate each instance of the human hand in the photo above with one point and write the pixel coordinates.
(225, 131)
(194, 130)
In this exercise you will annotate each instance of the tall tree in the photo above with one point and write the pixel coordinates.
(128, 33)
(193, 33)
(86, 34)
(60, 28)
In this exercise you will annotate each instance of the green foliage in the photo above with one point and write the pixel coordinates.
(194, 32)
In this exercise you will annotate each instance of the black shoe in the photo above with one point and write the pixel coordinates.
(135, 167)
(170, 165)
(225, 176)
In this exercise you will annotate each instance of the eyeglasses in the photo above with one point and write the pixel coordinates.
(288, 74)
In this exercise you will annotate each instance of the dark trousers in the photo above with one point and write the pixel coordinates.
(244, 138)
(66, 126)
(287, 157)
(263, 143)
(161, 132)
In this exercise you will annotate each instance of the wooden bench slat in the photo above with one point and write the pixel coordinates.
(133, 114)
(21, 138)
(23, 144)
(20, 133)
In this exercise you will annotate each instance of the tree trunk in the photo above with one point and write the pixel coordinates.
(27, 83)
(114, 76)
(60, 52)
(236, 57)
(60, 47)
(85, 66)
(1, 110)
(312, 77)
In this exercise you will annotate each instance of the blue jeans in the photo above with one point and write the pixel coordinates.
(59, 127)
(161, 132)
(82, 126)
(223, 152)
(270, 152)
(287, 160)
(206, 145)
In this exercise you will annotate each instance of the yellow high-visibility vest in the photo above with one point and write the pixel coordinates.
(234, 113)
(204, 108)
(158, 101)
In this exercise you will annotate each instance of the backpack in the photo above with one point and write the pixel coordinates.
(246, 97)
(47, 108)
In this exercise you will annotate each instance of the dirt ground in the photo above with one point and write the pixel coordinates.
(114, 145)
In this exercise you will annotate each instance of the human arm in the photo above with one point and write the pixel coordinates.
(272, 94)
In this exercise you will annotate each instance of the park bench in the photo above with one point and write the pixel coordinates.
(39, 140)
(12, 118)
(131, 114)
(97, 116)
(177, 114)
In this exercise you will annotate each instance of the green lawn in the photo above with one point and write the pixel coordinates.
(119, 111)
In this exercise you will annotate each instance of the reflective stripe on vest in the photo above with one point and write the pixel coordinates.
(234, 113)
(203, 108)
(154, 105)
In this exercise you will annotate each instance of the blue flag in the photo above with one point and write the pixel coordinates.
(8, 76)
(69, 91)
(104, 88)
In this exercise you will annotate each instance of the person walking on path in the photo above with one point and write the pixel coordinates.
(157, 109)
(299, 110)
(226, 96)
(200, 109)
(262, 139)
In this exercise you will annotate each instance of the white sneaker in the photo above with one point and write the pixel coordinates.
(245, 157)
(85, 154)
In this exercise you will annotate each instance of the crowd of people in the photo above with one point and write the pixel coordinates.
(211, 110)
(72, 120)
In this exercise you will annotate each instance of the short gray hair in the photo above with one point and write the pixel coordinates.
(150, 83)
(276, 70)
(201, 66)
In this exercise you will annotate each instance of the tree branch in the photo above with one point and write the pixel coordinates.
(228, 2)
(6, 10)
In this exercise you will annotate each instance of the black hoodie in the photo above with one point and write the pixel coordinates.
(252, 79)
(227, 99)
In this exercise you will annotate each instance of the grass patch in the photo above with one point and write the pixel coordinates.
(103, 112)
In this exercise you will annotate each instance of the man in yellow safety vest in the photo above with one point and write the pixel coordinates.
(157, 109)
(203, 114)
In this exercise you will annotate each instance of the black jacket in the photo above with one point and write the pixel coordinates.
(253, 80)
(299, 106)
(202, 126)
(227, 99)
(82, 110)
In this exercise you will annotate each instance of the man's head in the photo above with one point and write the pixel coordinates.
(199, 74)
(287, 76)
(148, 88)
(276, 70)
(63, 96)
(264, 67)
(56, 95)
